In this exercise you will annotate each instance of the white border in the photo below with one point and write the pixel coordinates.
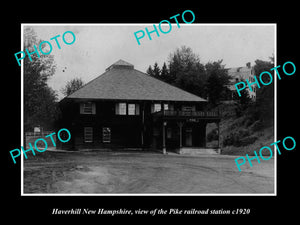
(22, 113)
(275, 112)
(152, 194)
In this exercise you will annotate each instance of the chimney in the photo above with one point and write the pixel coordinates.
(248, 64)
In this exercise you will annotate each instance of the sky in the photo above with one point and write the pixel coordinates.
(97, 46)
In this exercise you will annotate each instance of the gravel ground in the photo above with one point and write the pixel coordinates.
(135, 172)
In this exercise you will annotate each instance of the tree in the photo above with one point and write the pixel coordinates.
(242, 102)
(186, 71)
(150, 71)
(39, 99)
(72, 86)
(217, 81)
(164, 72)
(265, 94)
(261, 66)
(156, 70)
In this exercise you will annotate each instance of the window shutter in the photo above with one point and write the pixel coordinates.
(81, 108)
(137, 109)
(93, 108)
(117, 109)
(171, 107)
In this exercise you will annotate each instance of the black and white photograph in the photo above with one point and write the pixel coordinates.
(150, 112)
(160, 117)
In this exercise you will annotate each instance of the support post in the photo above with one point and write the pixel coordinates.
(164, 137)
(142, 137)
(180, 124)
(218, 135)
(143, 124)
(204, 132)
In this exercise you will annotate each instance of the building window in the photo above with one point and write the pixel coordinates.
(131, 109)
(156, 107)
(87, 108)
(166, 106)
(121, 109)
(88, 134)
(106, 134)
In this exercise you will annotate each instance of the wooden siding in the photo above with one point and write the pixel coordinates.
(129, 131)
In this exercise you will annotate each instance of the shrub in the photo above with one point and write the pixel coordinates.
(240, 138)
(256, 126)
(213, 135)
(247, 141)
(227, 140)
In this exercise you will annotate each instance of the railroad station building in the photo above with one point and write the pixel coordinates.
(127, 109)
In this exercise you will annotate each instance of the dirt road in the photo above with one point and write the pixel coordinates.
(126, 173)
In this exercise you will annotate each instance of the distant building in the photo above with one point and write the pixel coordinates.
(126, 108)
(242, 73)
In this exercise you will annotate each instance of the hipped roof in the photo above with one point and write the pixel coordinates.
(122, 82)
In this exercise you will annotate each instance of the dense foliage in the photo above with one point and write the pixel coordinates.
(40, 107)
(185, 71)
